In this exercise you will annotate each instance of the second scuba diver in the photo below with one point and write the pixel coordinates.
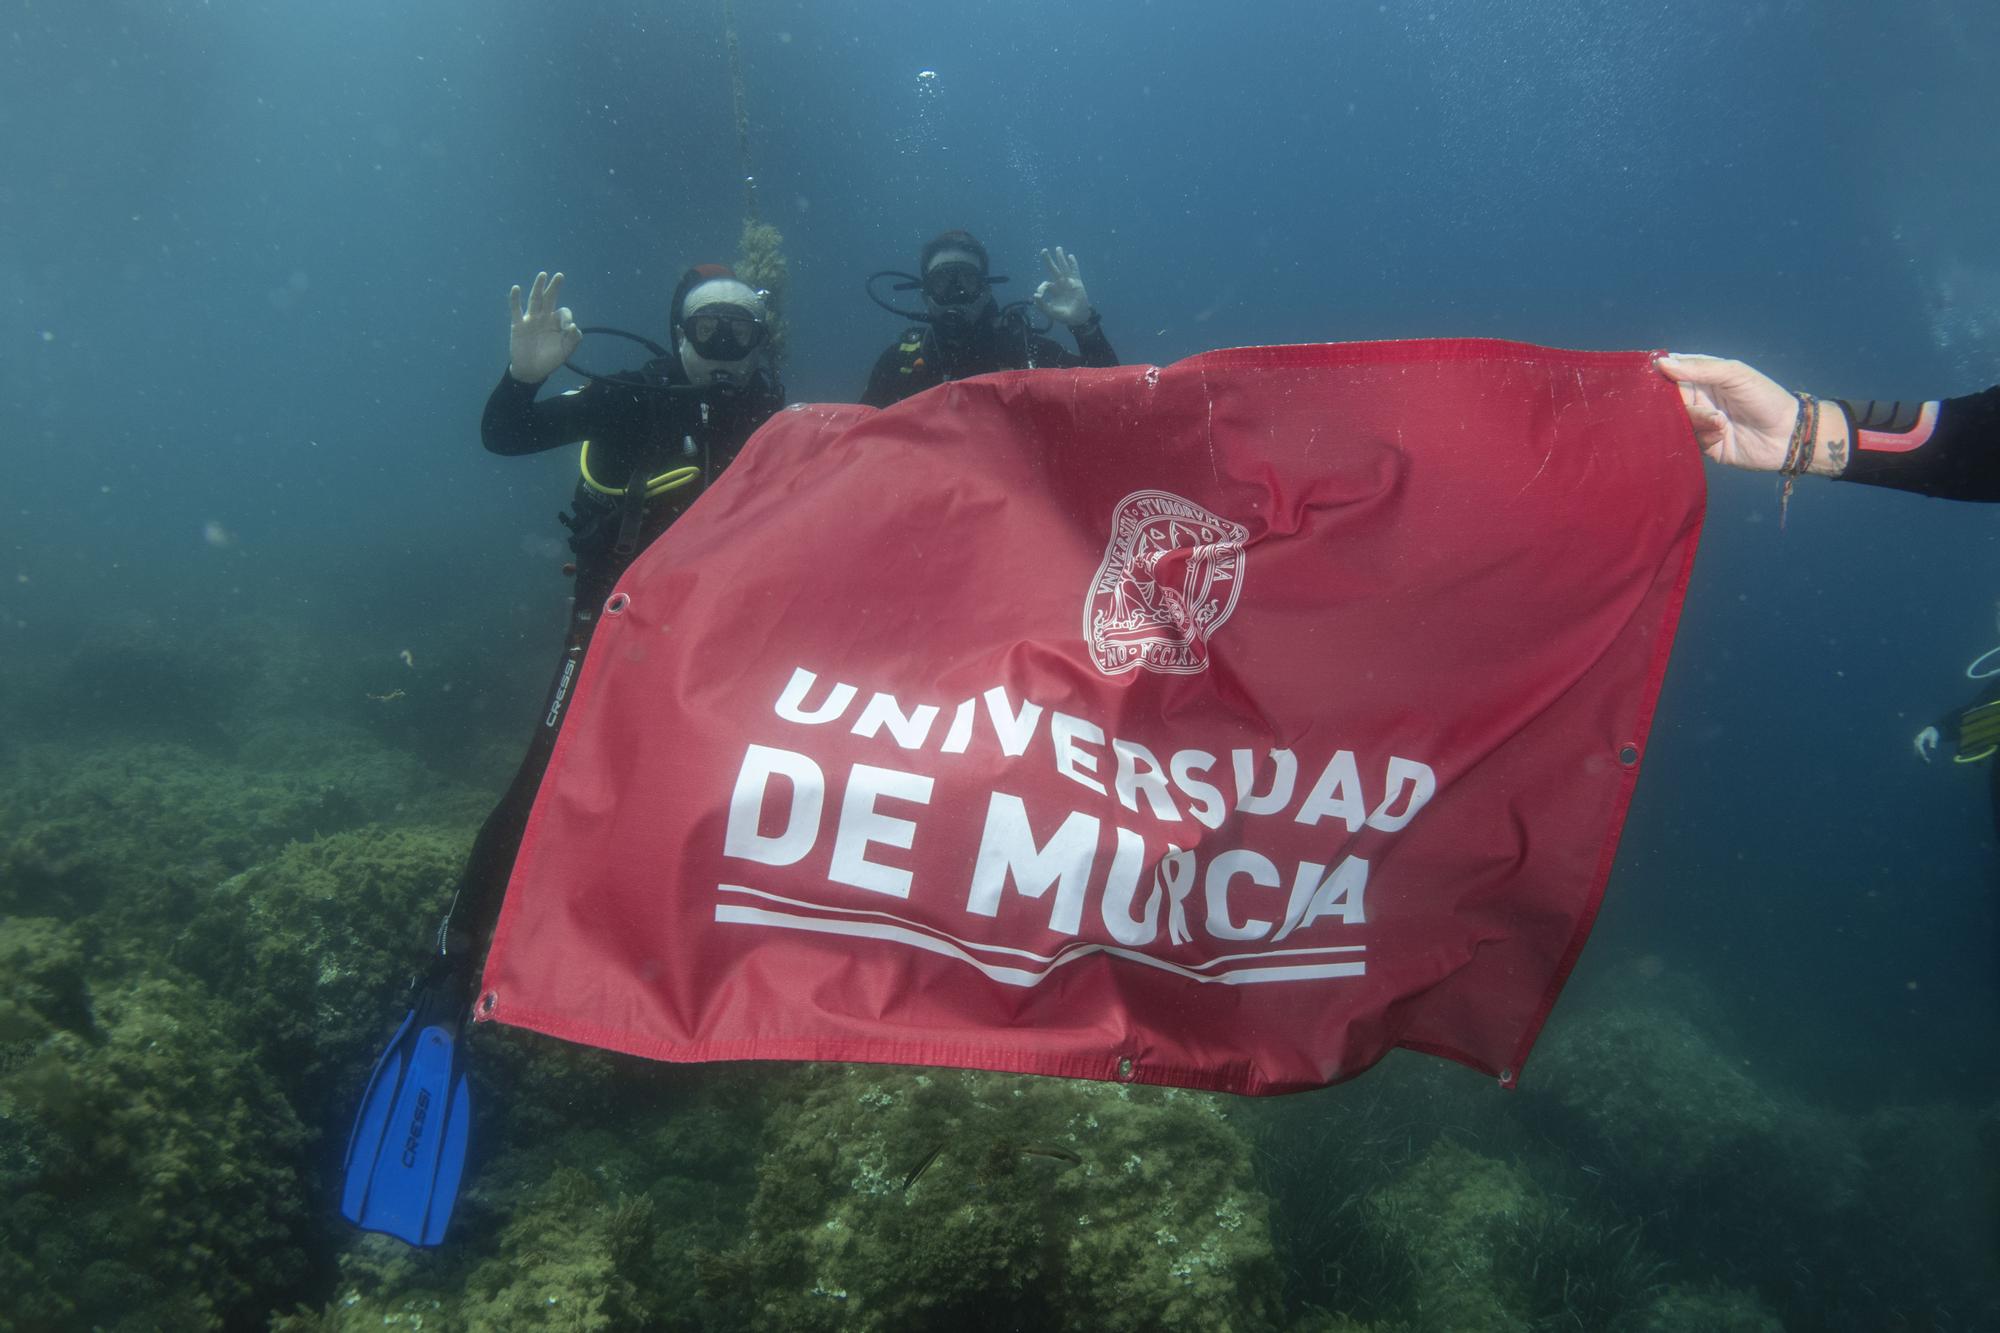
(963, 331)
(1972, 732)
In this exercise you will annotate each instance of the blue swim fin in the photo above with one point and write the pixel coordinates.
(407, 1152)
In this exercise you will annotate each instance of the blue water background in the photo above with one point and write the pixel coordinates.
(254, 259)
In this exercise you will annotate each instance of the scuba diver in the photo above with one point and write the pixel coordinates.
(1948, 448)
(1972, 731)
(963, 331)
(650, 441)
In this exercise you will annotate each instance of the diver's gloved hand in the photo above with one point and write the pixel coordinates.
(542, 337)
(1926, 743)
(1062, 297)
(1741, 417)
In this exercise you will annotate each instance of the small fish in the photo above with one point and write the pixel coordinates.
(923, 1166)
(1004, 1158)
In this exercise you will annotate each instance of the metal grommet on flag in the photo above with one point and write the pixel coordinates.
(1126, 1069)
(1628, 754)
(616, 606)
(1509, 1079)
(487, 1001)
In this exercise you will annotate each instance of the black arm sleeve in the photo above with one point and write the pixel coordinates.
(514, 423)
(1949, 449)
(1092, 349)
(1093, 346)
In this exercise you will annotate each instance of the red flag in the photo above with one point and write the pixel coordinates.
(1223, 725)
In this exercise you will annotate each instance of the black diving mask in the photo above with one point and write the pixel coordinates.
(955, 284)
(723, 332)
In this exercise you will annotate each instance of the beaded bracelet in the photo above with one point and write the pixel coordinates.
(1798, 451)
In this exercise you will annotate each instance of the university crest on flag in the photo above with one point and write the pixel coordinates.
(1226, 724)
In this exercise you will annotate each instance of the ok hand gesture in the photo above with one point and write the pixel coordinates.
(541, 337)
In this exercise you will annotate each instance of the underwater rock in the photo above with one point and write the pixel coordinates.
(1653, 1094)
(137, 675)
(1450, 1214)
(140, 826)
(1710, 1309)
(896, 1198)
(1321, 1154)
(587, 1224)
(149, 1171)
(1325, 1321)
(1742, 1181)
(1489, 1250)
(571, 1258)
(1935, 1170)
(314, 949)
(42, 985)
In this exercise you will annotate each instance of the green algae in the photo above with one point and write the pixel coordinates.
(1157, 1224)
(1322, 1156)
(313, 951)
(1450, 1212)
(200, 980)
(140, 826)
(569, 1258)
(1650, 1089)
(589, 1226)
(1710, 1308)
(152, 1171)
(1490, 1251)
(46, 987)
(1838, 1221)
(761, 262)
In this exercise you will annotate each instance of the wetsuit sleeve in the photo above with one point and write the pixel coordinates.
(1093, 346)
(1092, 349)
(514, 423)
(1949, 449)
(885, 385)
(1048, 354)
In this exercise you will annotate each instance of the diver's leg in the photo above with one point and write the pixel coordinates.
(476, 904)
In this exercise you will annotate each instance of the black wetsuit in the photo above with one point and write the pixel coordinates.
(634, 433)
(1949, 449)
(1971, 735)
(646, 429)
(922, 358)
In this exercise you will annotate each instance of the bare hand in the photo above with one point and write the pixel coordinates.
(1063, 297)
(1740, 416)
(541, 337)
